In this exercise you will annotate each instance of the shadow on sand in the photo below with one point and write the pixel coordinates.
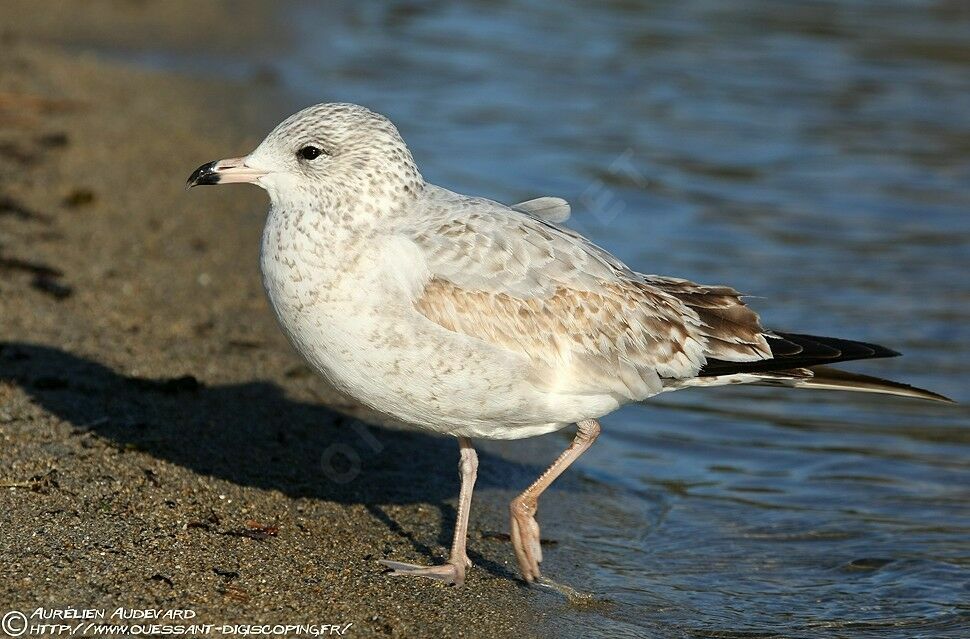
(251, 434)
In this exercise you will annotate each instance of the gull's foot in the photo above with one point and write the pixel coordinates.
(448, 573)
(525, 537)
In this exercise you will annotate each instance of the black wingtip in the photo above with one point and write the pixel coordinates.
(798, 350)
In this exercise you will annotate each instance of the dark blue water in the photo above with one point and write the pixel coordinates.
(815, 155)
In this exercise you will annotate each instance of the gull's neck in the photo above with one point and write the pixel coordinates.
(363, 204)
(324, 229)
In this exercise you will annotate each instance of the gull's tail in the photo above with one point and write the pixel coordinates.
(802, 361)
(828, 378)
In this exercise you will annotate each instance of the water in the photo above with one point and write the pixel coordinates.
(816, 155)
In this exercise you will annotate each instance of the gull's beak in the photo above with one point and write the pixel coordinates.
(224, 172)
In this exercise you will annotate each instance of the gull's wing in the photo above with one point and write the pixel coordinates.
(550, 209)
(579, 314)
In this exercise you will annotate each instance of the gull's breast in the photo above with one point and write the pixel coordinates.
(348, 308)
(316, 279)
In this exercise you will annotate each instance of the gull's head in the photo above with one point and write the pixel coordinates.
(333, 154)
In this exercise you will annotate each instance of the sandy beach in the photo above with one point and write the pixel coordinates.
(162, 446)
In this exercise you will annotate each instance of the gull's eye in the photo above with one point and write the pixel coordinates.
(309, 153)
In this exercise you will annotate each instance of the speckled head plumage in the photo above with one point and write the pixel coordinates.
(339, 156)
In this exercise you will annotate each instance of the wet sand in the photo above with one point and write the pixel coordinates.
(163, 447)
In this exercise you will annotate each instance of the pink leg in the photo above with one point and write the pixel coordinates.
(452, 572)
(525, 529)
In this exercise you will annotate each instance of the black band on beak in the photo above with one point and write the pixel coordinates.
(204, 175)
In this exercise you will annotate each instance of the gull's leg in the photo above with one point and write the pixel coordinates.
(452, 572)
(525, 529)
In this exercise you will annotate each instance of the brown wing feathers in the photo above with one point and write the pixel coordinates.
(733, 330)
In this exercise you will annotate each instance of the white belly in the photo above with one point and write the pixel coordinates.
(349, 312)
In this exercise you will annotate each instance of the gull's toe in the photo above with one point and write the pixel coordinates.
(448, 573)
(525, 539)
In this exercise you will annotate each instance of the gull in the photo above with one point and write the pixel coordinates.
(466, 317)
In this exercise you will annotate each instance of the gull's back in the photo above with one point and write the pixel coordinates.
(587, 322)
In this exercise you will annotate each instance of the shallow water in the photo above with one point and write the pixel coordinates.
(814, 155)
